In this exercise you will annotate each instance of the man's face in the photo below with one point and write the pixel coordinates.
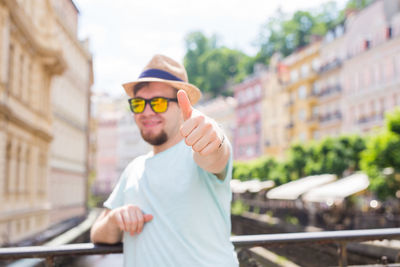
(159, 128)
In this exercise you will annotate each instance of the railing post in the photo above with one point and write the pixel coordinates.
(342, 251)
(49, 262)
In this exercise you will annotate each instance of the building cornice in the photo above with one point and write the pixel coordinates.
(74, 39)
(8, 115)
(44, 45)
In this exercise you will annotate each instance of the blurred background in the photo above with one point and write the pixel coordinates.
(308, 93)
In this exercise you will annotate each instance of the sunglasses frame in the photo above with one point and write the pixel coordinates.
(148, 101)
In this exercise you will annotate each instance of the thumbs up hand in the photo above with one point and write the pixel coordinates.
(199, 131)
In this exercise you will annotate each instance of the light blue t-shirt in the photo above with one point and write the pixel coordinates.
(191, 209)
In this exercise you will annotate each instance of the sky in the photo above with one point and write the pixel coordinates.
(125, 34)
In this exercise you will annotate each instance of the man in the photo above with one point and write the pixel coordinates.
(171, 207)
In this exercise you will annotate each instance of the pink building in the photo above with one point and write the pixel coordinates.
(371, 73)
(107, 159)
(247, 142)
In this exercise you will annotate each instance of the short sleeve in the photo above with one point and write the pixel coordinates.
(116, 198)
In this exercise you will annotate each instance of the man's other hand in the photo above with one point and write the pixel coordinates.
(129, 218)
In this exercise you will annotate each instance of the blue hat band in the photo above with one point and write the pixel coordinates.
(157, 73)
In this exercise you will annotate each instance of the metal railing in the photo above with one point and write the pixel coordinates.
(244, 241)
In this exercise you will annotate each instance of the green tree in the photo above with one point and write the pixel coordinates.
(211, 67)
(197, 44)
(285, 34)
(393, 121)
(381, 159)
(297, 160)
(335, 155)
(357, 4)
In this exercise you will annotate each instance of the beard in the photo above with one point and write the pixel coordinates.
(155, 140)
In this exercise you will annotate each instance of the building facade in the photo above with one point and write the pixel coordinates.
(70, 95)
(130, 143)
(328, 88)
(302, 67)
(248, 143)
(222, 110)
(371, 73)
(274, 113)
(30, 56)
(118, 141)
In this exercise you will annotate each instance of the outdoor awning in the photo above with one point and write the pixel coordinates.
(339, 190)
(293, 190)
(252, 186)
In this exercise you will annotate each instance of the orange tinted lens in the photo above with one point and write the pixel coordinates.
(159, 104)
(137, 105)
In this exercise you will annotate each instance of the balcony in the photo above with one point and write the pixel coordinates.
(331, 117)
(252, 243)
(371, 118)
(330, 91)
(336, 63)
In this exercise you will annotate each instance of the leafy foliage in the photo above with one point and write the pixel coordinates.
(331, 155)
(285, 34)
(212, 67)
(381, 159)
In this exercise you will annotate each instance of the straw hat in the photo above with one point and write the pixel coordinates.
(164, 69)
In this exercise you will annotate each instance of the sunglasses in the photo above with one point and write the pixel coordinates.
(158, 104)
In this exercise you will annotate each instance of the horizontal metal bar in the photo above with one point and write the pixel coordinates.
(238, 241)
(63, 250)
(312, 237)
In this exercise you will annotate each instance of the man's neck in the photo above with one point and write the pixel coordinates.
(170, 143)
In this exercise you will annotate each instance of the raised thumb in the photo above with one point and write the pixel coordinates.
(147, 217)
(184, 104)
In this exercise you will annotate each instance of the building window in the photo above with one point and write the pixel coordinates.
(302, 92)
(315, 111)
(250, 94)
(302, 115)
(388, 69)
(305, 70)
(250, 151)
(316, 88)
(257, 90)
(7, 182)
(377, 74)
(294, 76)
(316, 64)
(302, 136)
(11, 67)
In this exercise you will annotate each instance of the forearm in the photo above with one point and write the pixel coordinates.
(104, 231)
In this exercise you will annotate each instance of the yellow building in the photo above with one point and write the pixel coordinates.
(274, 115)
(302, 67)
(328, 87)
